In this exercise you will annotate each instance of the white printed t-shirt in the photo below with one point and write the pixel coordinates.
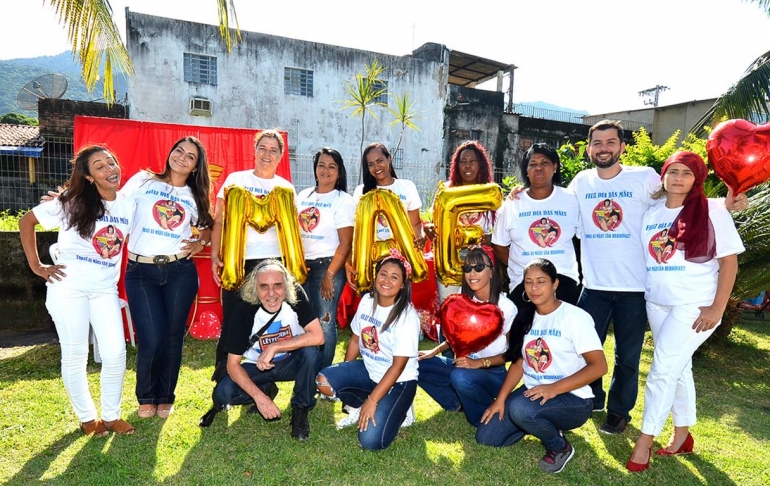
(163, 216)
(672, 280)
(258, 245)
(611, 213)
(406, 192)
(553, 349)
(539, 228)
(500, 344)
(320, 216)
(94, 263)
(378, 348)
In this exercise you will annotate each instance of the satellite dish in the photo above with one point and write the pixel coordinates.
(42, 87)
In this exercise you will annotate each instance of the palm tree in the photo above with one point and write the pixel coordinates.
(748, 98)
(95, 38)
(404, 116)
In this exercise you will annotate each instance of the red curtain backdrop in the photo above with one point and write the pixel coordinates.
(141, 145)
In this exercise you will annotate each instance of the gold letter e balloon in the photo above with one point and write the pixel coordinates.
(367, 249)
(242, 208)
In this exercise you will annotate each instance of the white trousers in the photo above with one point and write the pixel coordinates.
(670, 387)
(72, 312)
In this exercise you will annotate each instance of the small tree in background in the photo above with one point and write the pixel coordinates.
(403, 115)
(19, 119)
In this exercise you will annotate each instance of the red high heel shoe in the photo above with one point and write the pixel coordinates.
(686, 448)
(638, 466)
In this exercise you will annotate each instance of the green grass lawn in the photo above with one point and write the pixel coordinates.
(40, 441)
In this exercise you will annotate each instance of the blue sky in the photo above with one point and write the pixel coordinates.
(594, 55)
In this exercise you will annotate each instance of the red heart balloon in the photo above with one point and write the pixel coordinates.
(208, 327)
(469, 326)
(739, 151)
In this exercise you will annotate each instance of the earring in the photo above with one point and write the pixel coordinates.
(524, 297)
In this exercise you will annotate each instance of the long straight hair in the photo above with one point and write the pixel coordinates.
(81, 202)
(198, 181)
(474, 257)
(522, 323)
(403, 299)
(370, 183)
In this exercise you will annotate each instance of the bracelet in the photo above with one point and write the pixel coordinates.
(329, 272)
(487, 363)
(370, 399)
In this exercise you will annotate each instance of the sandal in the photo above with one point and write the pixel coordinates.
(120, 426)
(146, 411)
(165, 409)
(94, 428)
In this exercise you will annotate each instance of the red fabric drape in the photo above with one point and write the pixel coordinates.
(141, 145)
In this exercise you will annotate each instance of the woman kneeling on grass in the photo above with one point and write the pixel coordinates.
(555, 349)
(704, 254)
(379, 389)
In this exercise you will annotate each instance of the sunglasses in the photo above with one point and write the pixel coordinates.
(479, 267)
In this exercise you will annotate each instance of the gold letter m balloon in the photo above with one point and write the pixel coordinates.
(367, 249)
(242, 208)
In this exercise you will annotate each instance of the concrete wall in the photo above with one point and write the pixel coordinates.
(250, 89)
(681, 116)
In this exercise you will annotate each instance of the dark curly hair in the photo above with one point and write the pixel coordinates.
(485, 167)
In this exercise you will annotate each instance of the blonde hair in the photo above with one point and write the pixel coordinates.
(249, 289)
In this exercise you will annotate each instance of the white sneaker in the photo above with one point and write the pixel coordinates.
(409, 420)
(351, 419)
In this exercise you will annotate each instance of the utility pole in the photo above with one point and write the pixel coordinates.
(652, 94)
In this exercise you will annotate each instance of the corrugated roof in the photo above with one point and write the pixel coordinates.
(470, 70)
(20, 136)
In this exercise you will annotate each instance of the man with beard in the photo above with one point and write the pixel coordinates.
(613, 261)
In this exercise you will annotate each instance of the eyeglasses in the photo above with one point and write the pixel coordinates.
(479, 267)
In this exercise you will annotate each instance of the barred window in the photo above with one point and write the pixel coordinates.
(200, 69)
(397, 158)
(381, 85)
(298, 82)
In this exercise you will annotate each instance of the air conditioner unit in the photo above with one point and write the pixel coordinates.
(200, 106)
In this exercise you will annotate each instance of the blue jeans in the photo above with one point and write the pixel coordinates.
(524, 416)
(451, 387)
(352, 385)
(629, 320)
(326, 309)
(160, 298)
(301, 366)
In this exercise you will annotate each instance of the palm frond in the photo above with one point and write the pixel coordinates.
(747, 99)
(226, 10)
(94, 37)
(763, 4)
(754, 228)
(404, 113)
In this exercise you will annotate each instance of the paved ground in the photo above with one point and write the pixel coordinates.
(14, 342)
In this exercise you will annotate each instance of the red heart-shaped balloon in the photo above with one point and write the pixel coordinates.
(469, 326)
(207, 327)
(739, 151)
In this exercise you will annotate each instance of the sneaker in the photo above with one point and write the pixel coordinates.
(615, 424)
(409, 420)
(351, 419)
(300, 427)
(554, 461)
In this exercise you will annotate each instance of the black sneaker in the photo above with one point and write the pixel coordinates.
(554, 461)
(208, 417)
(300, 427)
(615, 424)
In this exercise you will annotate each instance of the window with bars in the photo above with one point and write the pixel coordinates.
(381, 85)
(397, 158)
(475, 135)
(201, 69)
(298, 82)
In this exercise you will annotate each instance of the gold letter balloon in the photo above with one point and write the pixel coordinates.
(242, 208)
(367, 249)
(451, 237)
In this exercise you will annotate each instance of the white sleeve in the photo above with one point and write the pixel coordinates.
(49, 214)
(653, 185)
(728, 241)
(500, 235)
(407, 331)
(345, 212)
(413, 200)
(132, 184)
(584, 336)
(228, 182)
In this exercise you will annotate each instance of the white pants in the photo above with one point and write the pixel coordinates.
(670, 386)
(72, 311)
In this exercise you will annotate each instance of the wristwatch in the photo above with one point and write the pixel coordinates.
(487, 363)
(203, 242)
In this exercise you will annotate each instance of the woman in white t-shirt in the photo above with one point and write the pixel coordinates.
(470, 165)
(554, 348)
(326, 214)
(161, 277)
(268, 146)
(686, 295)
(93, 221)
(378, 390)
(471, 383)
(539, 224)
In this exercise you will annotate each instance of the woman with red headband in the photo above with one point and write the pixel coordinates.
(686, 296)
(472, 382)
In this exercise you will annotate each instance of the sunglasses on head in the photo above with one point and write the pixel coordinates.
(479, 267)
